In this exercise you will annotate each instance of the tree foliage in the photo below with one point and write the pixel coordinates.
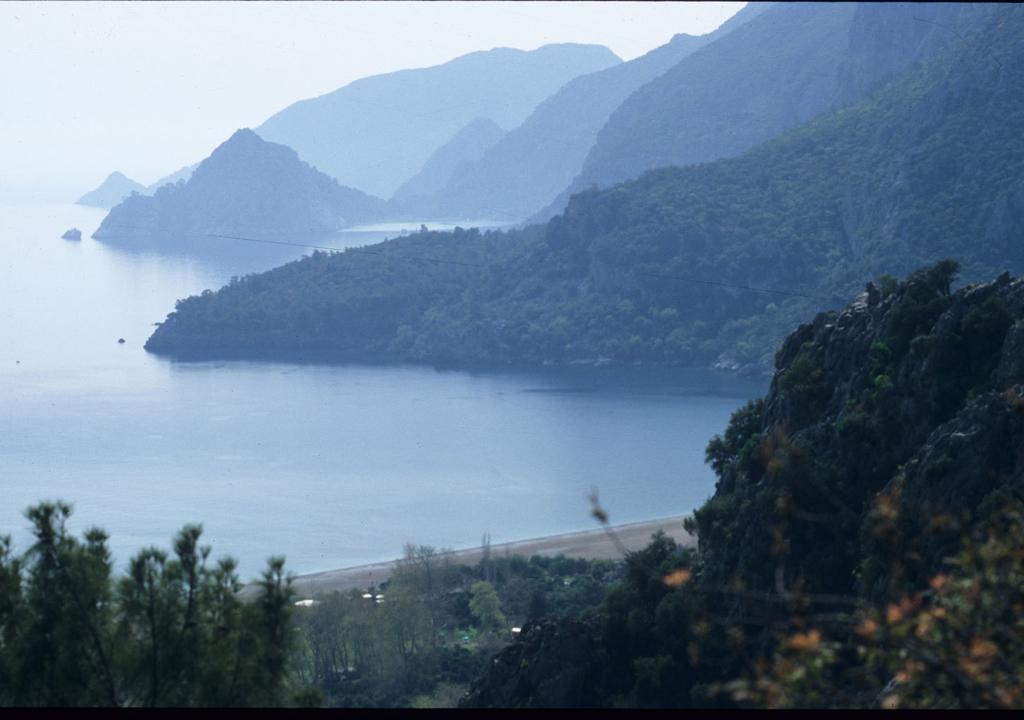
(173, 631)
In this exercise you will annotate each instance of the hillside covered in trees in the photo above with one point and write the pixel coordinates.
(785, 67)
(178, 629)
(685, 266)
(437, 624)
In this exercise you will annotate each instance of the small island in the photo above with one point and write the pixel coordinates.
(72, 234)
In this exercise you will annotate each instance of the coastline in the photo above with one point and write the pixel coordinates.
(593, 544)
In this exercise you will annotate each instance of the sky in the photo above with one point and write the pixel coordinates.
(148, 87)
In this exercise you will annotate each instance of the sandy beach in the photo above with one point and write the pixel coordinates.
(595, 544)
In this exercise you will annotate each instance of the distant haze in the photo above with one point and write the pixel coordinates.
(145, 88)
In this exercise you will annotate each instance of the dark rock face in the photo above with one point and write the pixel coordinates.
(553, 664)
(912, 399)
(967, 468)
(72, 234)
(1011, 364)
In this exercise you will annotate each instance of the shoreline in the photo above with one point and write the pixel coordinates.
(592, 544)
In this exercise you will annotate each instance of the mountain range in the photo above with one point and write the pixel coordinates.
(791, 63)
(697, 265)
(527, 168)
(377, 132)
(767, 69)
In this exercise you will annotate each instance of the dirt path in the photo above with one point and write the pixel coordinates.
(595, 544)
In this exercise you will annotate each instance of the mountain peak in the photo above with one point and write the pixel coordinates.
(111, 191)
(242, 138)
(243, 135)
(246, 146)
(246, 186)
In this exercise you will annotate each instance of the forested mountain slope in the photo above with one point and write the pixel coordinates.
(786, 66)
(697, 265)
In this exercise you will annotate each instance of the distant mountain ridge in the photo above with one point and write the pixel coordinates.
(467, 146)
(530, 164)
(528, 167)
(117, 187)
(377, 132)
(181, 174)
(784, 67)
(111, 191)
(247, 186)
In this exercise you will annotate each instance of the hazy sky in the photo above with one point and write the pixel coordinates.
(147, 87)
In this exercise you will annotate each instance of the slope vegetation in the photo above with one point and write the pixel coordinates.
(786, 66)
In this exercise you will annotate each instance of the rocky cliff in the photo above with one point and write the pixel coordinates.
(908, 390)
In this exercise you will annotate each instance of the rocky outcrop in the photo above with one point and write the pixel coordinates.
(908, 400)
(967, 468)
(72, 234)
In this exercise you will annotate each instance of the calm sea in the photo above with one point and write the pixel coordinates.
(328, 465)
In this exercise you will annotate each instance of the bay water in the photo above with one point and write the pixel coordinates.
(329, 465)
